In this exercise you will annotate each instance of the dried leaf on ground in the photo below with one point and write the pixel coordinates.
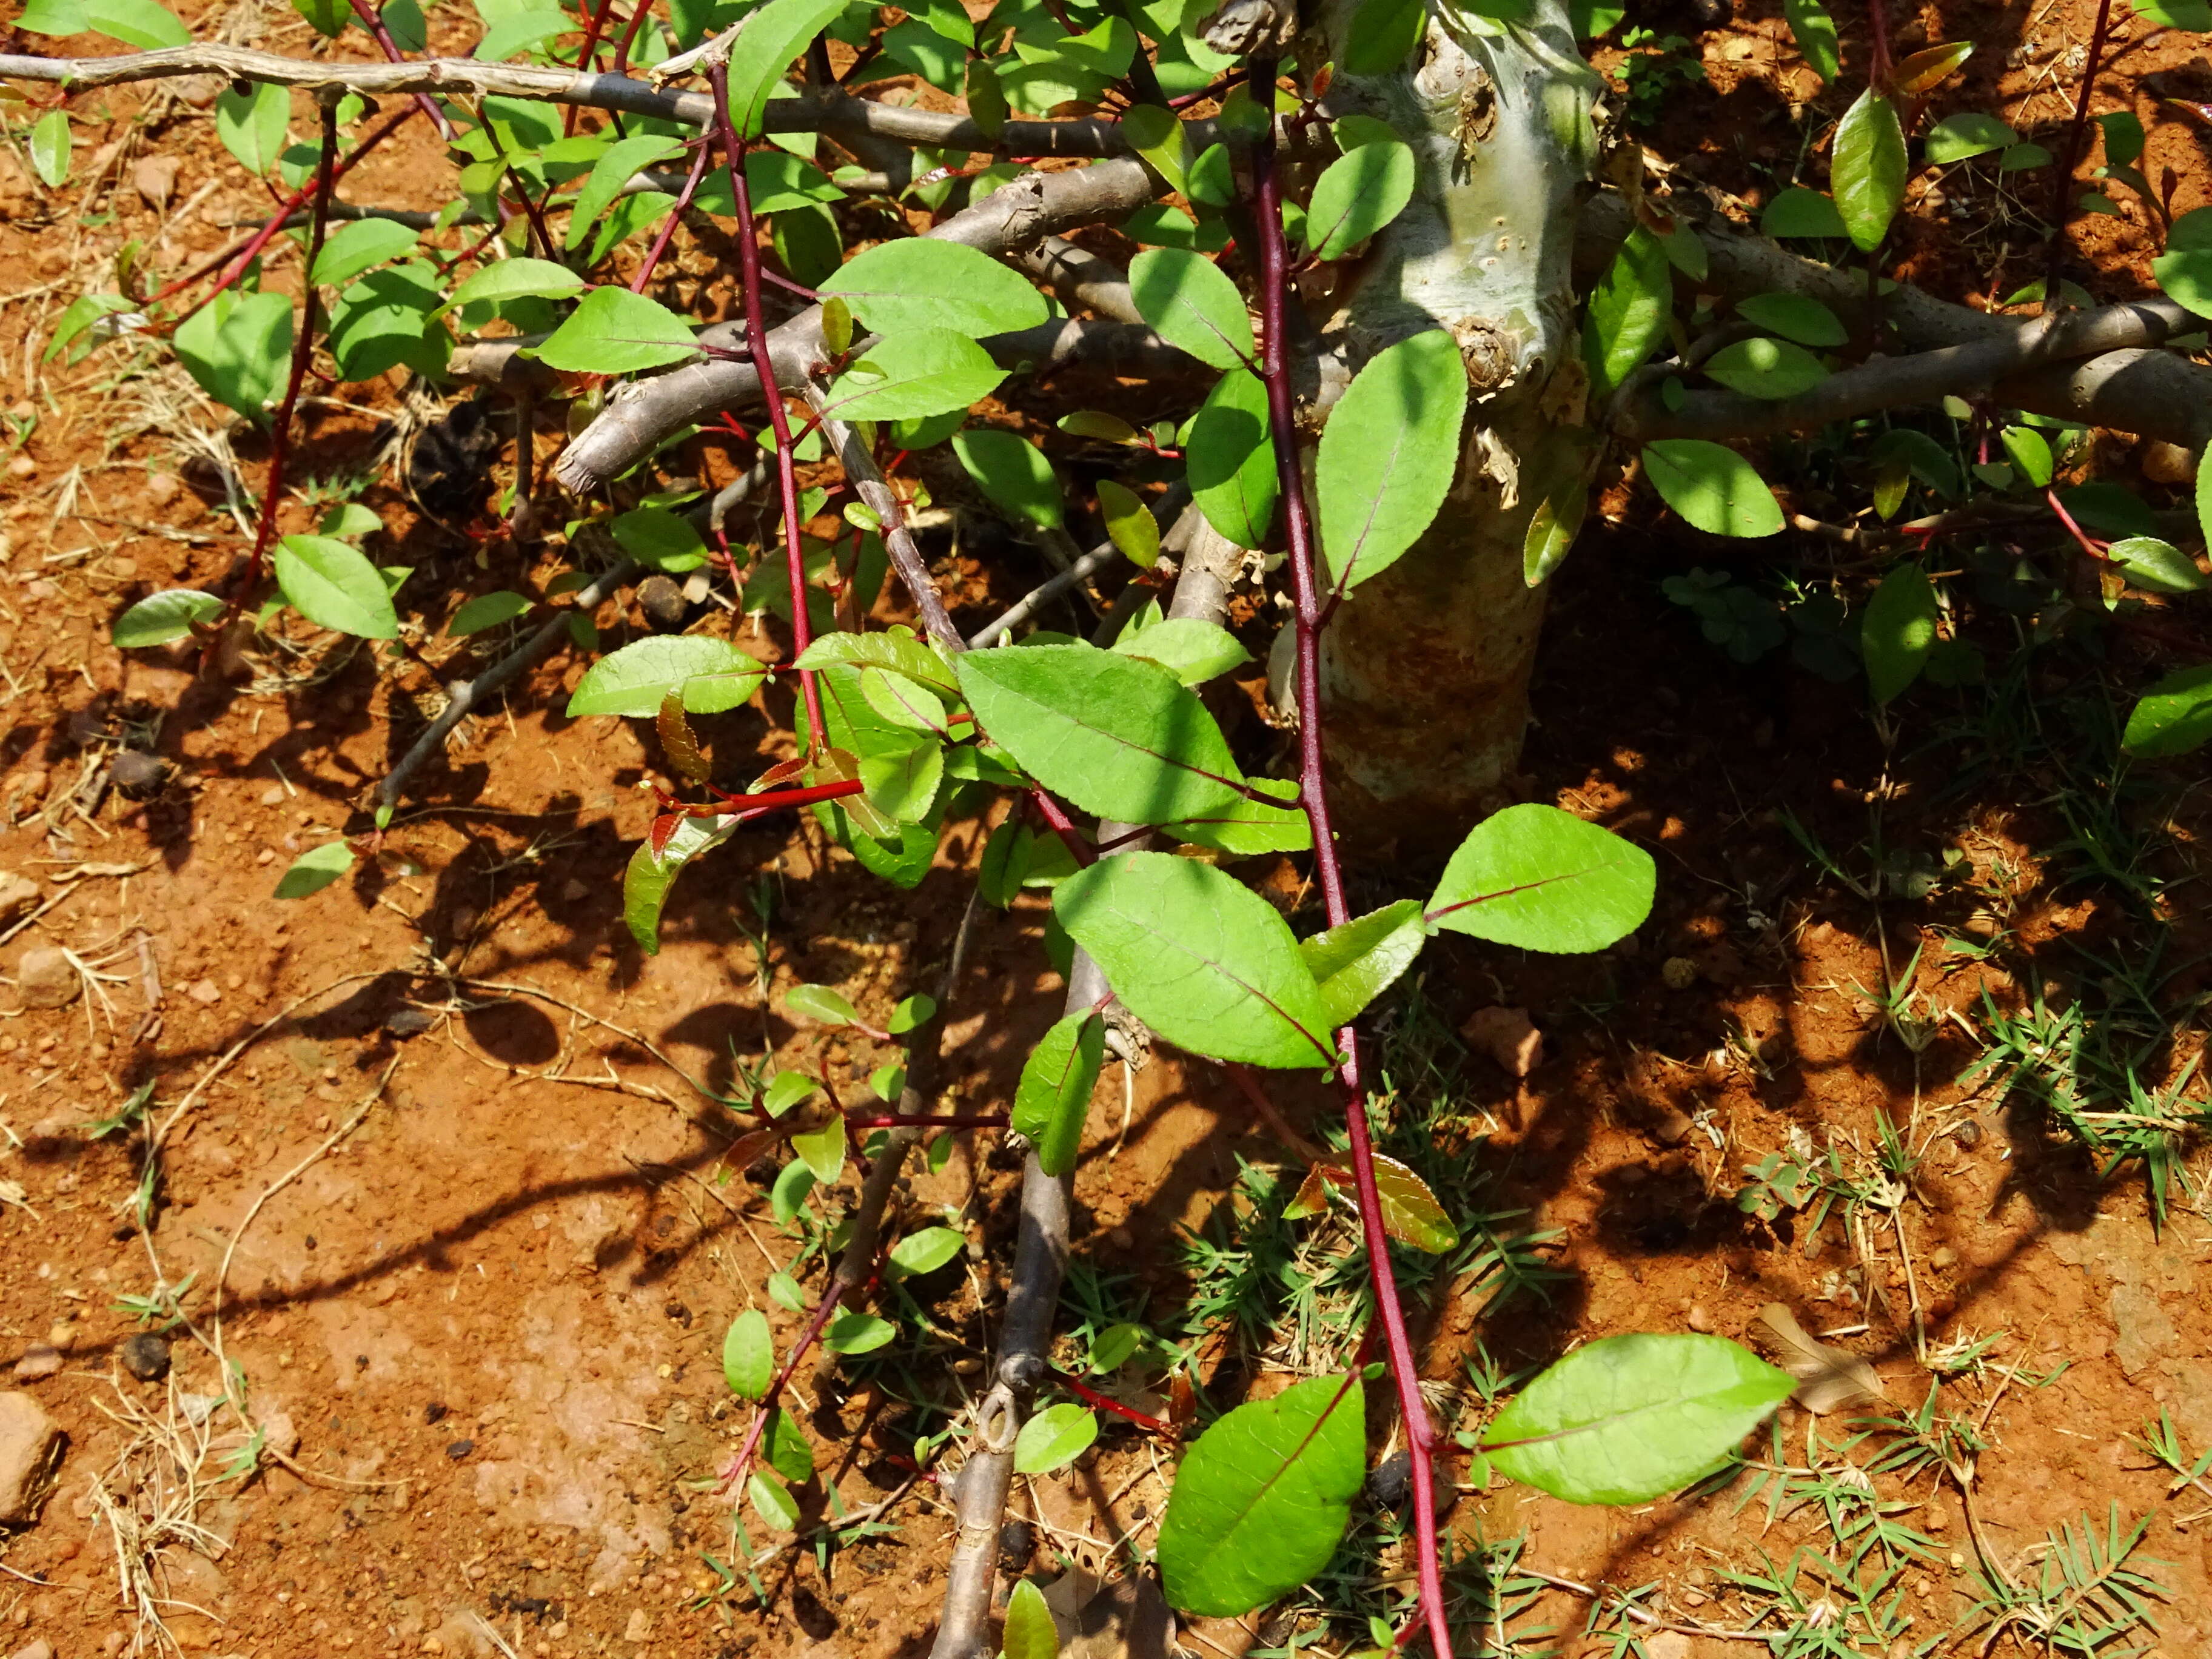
(1828, 1377)
(1127, 1618)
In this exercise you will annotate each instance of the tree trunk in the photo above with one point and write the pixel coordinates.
(1425, 672)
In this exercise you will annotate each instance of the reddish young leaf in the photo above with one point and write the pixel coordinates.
(664, 826)
(678, 741)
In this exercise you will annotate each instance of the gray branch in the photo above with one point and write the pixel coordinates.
(867, 482)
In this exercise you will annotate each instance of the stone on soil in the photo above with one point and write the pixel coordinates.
(30, 1458)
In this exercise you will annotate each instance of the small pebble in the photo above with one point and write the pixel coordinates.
(1679, 973)
(22, 467)
(145, 1356)
(1968, 1134)
(205, 991)
(460, 1448)
(1944, 1256)
(44, 979)
(162, 488)
(1699, 1320)
(137, 774)
(39, 1360)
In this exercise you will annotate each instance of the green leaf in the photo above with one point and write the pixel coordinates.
(239, 348)
(1959, 136)
(772, 1501)
(359, 246)
(1764, 368)
(1712, 487)
(1410, 1211)
(2174, 717)
(858, 1334)
(2024, 158)
(898, 650)
(160, 617)
(1795, 317)
(1629, 1419)
(515, 279)
(50, 147)
(777, 180)
(1190, 302)
(1053, 1097)
(1157, 135)
(1247, 827)
(926, 1251)
(774, 34)
(1383, 35)
(1357, 195)
(1130, 524)
(823, 1149)
(791, 1185)
(923, 281)
(1053, 1438)
(1534, 877)
(1116, 735)
(658, 540)
(1012, 473)
(2192, 15)
(1922, 456)
(1814, 31)
(903, 702)
(926, 370)
(1897, 629)
(2157, 567)
(252, 125)
(1194, 650)
(788, 1453)
(615, 166)
(1868, 169)
(332, 584)
(1388, 453)
(614, 331)
(821, 1004)
(1029, 1632)
(1231, 458)
(520, 31)
(2204, 493)
(1357, 961)
(713, 675)
(647, 880)
(1262, 1497)
(486, 610)
(314, 870)
(139, 23)
(1200, 957)
(2030, 454)
(1797, 211)
(786, 1090)
(2184, 269)
(1628, 311)
(902, 785)
(748, 1355)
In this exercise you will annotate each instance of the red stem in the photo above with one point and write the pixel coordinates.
(1313, 794)
(1878, 25)
(668, 226)
(734, 1474)
(243, 252)
(774, 798)
(2075, 137)
(1064, 826)
(587, 56)
(2093, 548)
(629, 34)
(280, 441)
(372, 20)
(1092, 1397)
(787, 465)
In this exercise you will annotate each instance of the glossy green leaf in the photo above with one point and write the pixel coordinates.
(1157, 135)
(821, 1004)
(1629, 1419)
(772, 1501)
(1410, 1210)
(521, 278)
(50, 146)
(1795, 317)
(1129, 524)
(1628, 311)
(1956, 138)
(1534, 877)
(926, 370)
(2157, 567)
(1200, 957)
(1246, 827)
(1897, 629)
(1053, 1097)
(1012, 473)
(1868, 169)
(823, 1149)
(774, 35)
(858, 1334)
(1765, 367)
(1053, 1438)
(2174, 717)
(239, 348)
(1190, 301)
(2030, 454)
(748, 1355)
(1262, 1497)
(1116, 735)
(521, 31)
(896, 650)
(2192, 15)
(1388, 453)
(1194, 650)
(360, 246)
(1797, 211)
(904, 702)
(902, 786)
(649, 876)
(926, 1251)
(788, 1453)
(332, 584)
(1029, 1632)
(160, 617)
(2184, 269)
(250, 122)
(617, 166)
(614, 331)
(487, 611)
(139, 23)
(713, 675)
(1357, 961)
(1357, 195)
(1383, 35)
(314, 870)
(924, 282)
(1712, 487)
(658, 540)
(1814, 32)
(1231, 460)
